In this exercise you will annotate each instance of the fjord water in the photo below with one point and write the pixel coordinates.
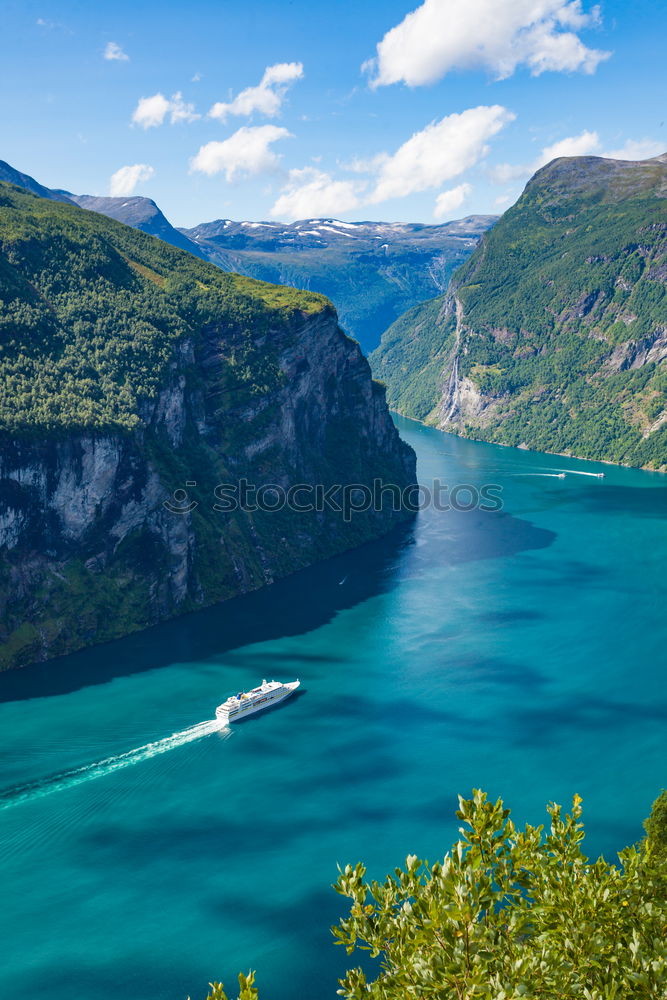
(144, 853)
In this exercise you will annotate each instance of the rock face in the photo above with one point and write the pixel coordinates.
(110, 524)
(554, 334)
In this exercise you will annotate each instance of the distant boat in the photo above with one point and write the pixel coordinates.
(561, 475)
(247, 702)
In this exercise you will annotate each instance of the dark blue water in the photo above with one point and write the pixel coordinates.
(522, 652)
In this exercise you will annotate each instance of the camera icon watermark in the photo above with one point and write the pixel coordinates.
(180, 502)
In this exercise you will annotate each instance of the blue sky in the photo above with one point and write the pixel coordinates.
(460, 102)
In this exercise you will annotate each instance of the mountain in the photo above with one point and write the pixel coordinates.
(372, 271)
(135, 381)
(140, 213)
(9, 175)
(553, 335)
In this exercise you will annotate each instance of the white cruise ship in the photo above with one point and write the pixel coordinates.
(246, 702)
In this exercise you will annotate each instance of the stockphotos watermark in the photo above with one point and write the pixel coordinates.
(347, 499)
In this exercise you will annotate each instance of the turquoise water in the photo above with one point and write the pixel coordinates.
(520, 651)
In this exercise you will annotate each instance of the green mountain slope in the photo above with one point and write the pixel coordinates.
(371, 271)
(130, 371)
(554, 334)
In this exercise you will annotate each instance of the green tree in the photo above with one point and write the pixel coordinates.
(656, 828)
(510, 913)
(247, 989)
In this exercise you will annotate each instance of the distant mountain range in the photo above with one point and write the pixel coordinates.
(553, 335)
(372, 271)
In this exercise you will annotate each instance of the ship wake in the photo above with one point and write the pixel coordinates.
(87, 772)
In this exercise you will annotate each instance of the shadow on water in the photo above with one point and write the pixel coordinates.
(298, 604)
(292, 606)
(632, 501)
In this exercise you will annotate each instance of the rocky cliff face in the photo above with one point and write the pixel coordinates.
(553, 335)
(107, 529)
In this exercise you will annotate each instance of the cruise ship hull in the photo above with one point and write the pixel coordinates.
(272, 698)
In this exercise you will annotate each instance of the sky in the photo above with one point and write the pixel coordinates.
(286, 109)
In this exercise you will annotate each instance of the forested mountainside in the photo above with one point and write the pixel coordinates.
(553, 335)
(372, 271)
(130, 370)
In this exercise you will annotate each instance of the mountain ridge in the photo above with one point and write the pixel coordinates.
(553, 335)
(371, 283)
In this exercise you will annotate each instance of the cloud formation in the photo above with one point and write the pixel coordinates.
(125, 180)
(152, 111)
(114, 52)
(441, 151)
(584, 144)
(311, 193)
(493, 35)
(266, 98)
(448, 201)
(637, 149)
(244, 154)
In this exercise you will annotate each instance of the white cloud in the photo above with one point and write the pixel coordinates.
(125, 180)
(503, 200)
(246, 152)
(114, 52)
(448, 201)
(637, 149)
(152, 111)
(311, 193)
(439, 152)
(371, 166)
(496, 35)
(585, 144)
(575, 145)
(266, 98)
(182, 111)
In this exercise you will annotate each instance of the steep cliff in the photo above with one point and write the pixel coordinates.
(136, 380)
(553, 335)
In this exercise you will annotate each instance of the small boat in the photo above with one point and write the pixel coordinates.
(244, 703)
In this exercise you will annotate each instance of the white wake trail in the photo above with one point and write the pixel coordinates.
(578, 472)
(77, 775)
